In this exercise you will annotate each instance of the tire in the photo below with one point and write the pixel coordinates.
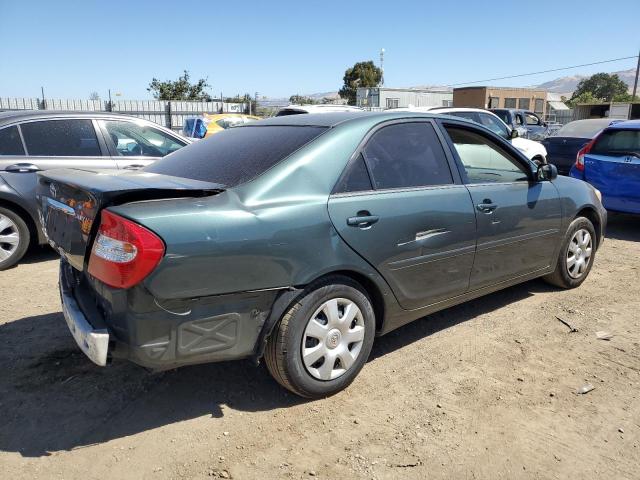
(14, 238)
(302, 373)
(566, 276)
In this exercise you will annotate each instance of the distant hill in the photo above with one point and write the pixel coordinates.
(568, 84)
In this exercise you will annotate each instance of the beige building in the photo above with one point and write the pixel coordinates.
(531, 99)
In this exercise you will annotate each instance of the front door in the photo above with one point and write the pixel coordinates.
(518, 218)
(401, 206)
(135, 145)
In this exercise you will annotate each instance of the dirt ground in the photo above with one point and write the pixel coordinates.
(482, 390)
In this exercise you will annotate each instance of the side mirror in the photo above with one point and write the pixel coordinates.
(547, 171)
(513, 134)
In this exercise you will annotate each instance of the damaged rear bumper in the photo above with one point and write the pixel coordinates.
(130, 324)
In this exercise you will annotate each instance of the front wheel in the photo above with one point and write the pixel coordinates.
(576, 255)
(323, 340)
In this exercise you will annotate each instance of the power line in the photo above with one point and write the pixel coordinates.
(543, 71)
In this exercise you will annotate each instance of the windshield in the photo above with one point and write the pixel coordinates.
(583, 128)
(236, 155)
(621, 142)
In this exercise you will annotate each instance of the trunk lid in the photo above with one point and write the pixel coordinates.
(69, 202)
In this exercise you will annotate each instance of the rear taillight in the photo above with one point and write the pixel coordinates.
(582, 152)
(124, 253)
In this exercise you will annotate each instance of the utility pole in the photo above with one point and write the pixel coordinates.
(43, 105)
(382, 67)
(256, 112)
(635, 84)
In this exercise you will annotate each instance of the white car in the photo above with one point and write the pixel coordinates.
(322, 108)
(533, 150)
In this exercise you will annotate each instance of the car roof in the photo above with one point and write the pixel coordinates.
(336, 118)
(20, 115)
(626, 125)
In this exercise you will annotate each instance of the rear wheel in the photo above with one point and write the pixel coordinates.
(576, 255)
(14, 238)
(323, 340)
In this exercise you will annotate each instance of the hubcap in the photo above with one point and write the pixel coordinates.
(579, 253)
(333, 339)
(9, 237)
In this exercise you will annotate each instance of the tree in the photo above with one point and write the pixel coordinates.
(181, 89)
(301, 100)
(603, 87)
(362, 74)
(94, 96)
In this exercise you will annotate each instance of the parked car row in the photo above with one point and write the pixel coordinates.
(298, 239)
(33, 141)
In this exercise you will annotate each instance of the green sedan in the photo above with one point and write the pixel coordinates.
(297, 240)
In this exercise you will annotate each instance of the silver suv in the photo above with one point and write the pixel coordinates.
(33, 140)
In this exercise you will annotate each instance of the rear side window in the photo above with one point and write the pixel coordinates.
(236, 155)
(407, 155)
(10, 143)
(355, 178)
(61, 138)
(619, 142)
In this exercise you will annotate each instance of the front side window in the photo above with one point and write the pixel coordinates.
(407, 155)
(494, 124)
(132, 139)
(523, 103)
(509, 103)
(61, 138)
(483, 160)
(10, 143)
(236, 155)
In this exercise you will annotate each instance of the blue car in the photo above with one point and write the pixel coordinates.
(611, 163)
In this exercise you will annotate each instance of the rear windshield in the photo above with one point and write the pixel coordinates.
(617, 142)
(236, 155)
(583, 129)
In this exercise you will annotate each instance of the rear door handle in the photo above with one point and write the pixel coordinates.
(363, 221)
(486, 207)
(22, 168)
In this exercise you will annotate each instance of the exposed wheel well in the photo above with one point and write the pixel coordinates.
(593, 217)
(371, 289)
(33, 229)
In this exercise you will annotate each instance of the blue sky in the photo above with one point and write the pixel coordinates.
(279, 48)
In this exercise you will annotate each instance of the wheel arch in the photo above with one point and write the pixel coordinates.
(592, 215)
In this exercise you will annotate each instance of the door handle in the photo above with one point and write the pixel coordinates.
(486, 207)
(134, 166)
(22, 168)
(363, 221)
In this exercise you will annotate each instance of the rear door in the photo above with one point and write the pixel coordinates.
(52, 143)
(518, 218)
(613, 167)
(403, 208)
(136, 144)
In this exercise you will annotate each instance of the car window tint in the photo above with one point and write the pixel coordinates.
(355, 178)
(61, 138)
(236, 155)
(483, 160)
(10, 143)
(617, 142)
(504, 116)
(407, 155)
(132, 139)
(473, 116)
(494, 124)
